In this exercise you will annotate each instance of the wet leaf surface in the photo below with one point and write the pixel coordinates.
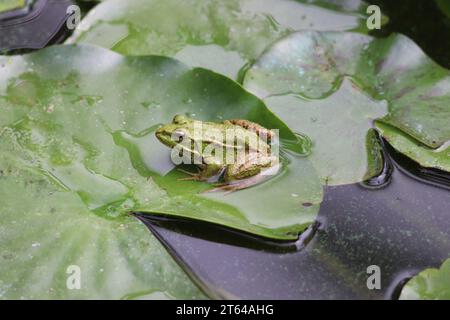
(46, 230)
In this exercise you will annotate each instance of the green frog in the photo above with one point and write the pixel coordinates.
(245, 145)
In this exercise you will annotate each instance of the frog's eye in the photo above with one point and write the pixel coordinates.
(179, 119)
(178, 135)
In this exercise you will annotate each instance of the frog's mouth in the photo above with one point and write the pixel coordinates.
(170, 136)
(164, 136)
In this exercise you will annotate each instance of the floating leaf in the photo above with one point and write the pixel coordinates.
(337, 127)
(45, 231)
(317, 82)
(221, 35)
(81, 119)
(79, 153)
(427, 157)
(430, 284)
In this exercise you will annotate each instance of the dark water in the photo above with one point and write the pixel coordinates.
(402, 228)
(422, 21)
(41, 25)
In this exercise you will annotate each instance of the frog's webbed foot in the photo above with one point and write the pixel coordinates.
(233, 186)
(193, 178)
(224, 187)
(230, 187)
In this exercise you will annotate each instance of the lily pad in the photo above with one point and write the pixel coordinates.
(82, 119)
(315, 80)
(428, 157)
(430, 284)
(221, 35)
(46, 231)
(338, 127)
(79, 153)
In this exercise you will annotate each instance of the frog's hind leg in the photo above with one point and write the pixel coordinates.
(227, 188)
(230, 187)
(243, 175)
(192, 176)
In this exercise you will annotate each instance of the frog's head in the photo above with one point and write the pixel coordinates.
(173, 133)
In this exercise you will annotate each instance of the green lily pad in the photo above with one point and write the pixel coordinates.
(337, 126)
(428, 157)
(430, 284)
(83, 118)
(46, 230)
(79, 153)
(333, 85)
(221, 35)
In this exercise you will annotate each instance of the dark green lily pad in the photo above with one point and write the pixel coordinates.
(221, 35)
(326, 73)
(428, 157)
(430, 284)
